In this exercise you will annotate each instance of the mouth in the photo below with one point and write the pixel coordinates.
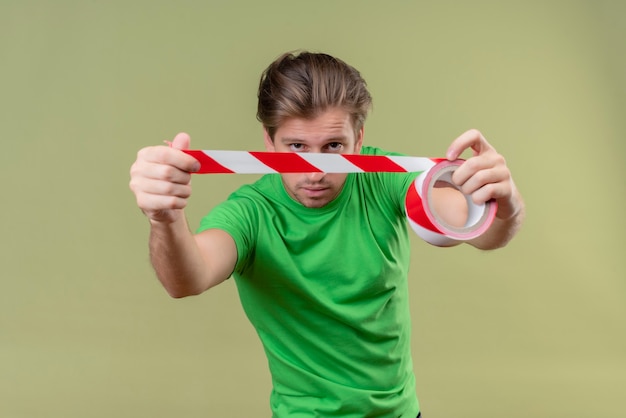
(314, 191)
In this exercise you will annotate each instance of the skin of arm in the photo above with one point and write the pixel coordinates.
(186, 264)
(450, 205)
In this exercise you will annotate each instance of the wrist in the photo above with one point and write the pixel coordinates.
(165, 218)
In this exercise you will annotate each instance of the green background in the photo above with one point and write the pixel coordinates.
(537, 329)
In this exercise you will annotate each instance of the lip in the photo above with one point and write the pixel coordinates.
(315, 191)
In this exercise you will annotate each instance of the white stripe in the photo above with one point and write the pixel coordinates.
(431, 237)
(330, 163)
(240, 162)
(412, 164)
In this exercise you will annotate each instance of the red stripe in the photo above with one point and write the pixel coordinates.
(285, 162)
(207, 164)
(415, 209)
(374, 163)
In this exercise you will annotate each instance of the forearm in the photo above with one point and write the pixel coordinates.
(176, 258)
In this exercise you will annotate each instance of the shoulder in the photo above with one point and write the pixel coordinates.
(255, 200)
(388, 186)
(259, 189)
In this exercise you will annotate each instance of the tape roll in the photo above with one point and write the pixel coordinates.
(424, 219)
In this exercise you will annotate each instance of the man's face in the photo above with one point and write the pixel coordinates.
(330, 132)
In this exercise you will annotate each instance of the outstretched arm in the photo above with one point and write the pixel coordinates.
(186, 264)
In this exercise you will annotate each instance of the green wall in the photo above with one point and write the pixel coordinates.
(534, 330)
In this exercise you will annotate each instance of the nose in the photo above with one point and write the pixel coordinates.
(315, 177)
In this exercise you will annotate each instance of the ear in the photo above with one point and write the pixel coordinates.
(269, 143)
(359, 140)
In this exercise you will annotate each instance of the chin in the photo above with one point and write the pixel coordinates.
(315, 204)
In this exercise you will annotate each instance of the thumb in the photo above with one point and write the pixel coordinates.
(181, 141)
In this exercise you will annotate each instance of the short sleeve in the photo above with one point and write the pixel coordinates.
(237, 217)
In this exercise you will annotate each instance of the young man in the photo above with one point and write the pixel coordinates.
(320, 260)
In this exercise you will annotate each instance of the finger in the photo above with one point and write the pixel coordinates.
(142, 174)
(181, 141)
(470, 167)
(164, 188)
(166, 173)
(486, 193)
(481, 178)
(168, 156)
(471, 139)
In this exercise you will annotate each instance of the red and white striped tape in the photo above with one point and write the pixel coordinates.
(251, 162)
(420, 213)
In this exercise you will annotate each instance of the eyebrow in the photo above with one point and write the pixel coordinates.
(285, 140)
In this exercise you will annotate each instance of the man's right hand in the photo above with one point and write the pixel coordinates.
(160, 178)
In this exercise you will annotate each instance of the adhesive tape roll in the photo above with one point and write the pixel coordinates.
(425, 221)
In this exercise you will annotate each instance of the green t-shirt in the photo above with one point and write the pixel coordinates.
(326, 290)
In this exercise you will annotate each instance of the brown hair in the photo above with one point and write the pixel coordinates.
(304, 84)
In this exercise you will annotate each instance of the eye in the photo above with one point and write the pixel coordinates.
(296, 147)
(335, 146)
